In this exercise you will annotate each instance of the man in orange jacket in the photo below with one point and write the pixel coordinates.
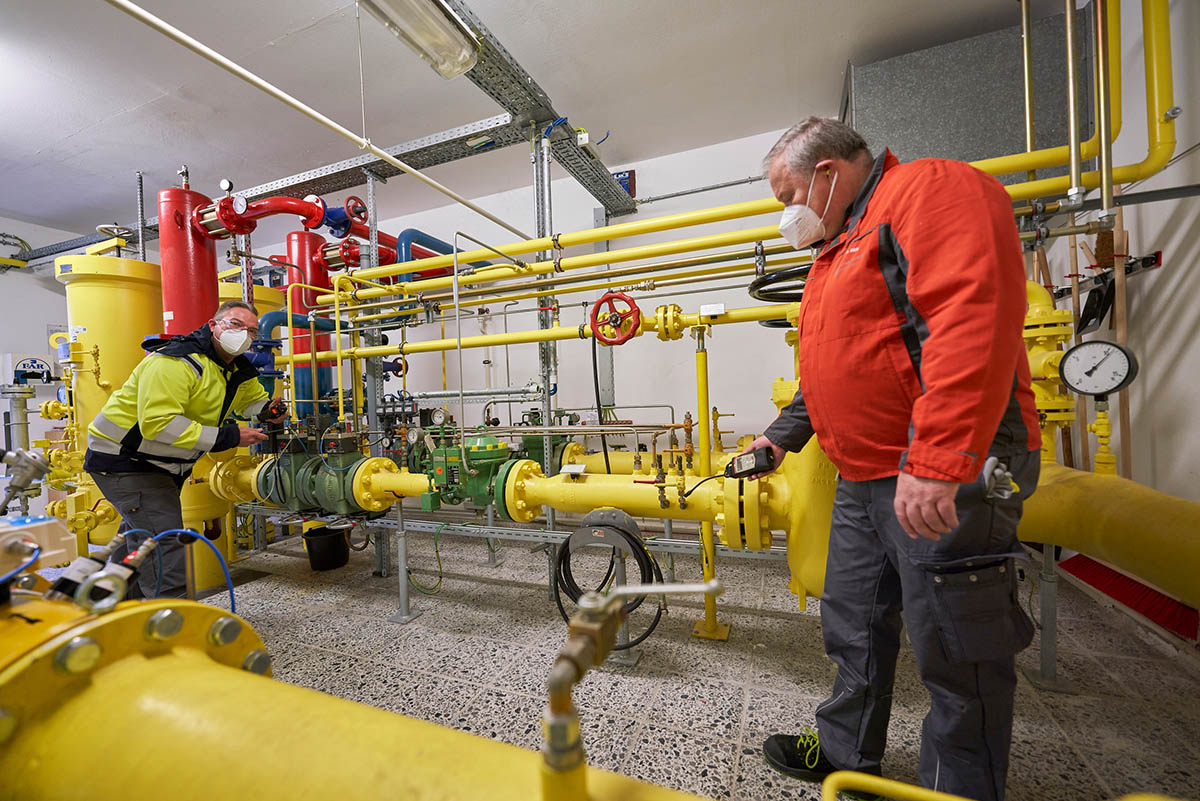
(913, 377)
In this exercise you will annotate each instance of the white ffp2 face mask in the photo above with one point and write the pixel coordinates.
(800, 226)
(234, 341)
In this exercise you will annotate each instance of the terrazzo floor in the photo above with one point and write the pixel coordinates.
(692, 714)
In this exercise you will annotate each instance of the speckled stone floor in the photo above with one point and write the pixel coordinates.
(692, 714)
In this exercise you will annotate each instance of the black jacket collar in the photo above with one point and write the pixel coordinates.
(200, 342)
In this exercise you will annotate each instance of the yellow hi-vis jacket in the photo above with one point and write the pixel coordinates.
(170, 410)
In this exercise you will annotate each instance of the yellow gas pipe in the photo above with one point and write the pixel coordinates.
(669, 322)
(131, 670)
(483, 276)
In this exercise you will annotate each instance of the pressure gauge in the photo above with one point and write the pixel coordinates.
(239, 204)
(413, 436)
(1098, 368)
(437, 417)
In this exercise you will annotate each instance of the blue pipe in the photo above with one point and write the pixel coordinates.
(302, 377)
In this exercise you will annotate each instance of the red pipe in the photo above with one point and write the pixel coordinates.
(304, 255)
(351, 254)
(363, 232)
(311, 211)
(189, 263)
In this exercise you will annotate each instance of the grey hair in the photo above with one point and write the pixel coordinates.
(815, 139)
(234, 304)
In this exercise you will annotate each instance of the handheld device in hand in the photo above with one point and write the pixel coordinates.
(273, 409)
(749, 464)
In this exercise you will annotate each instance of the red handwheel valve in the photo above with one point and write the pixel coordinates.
(608, 316)
(356, 209)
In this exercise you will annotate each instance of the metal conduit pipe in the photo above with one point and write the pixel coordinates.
(1161, 112)
(1027, 75)
(206, 52)
(675, 322)
(1057, 156)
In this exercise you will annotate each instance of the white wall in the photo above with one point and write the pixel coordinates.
(31, 307)
(1164, 305)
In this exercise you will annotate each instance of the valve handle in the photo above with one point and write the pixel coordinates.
(353, 204)
(594, 601)
(625, 324)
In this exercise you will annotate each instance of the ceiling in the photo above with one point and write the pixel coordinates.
(91, 95)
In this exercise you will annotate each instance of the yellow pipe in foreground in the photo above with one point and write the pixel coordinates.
(1160, 127)
(709, 627)
(1141, 531)
(200, 710)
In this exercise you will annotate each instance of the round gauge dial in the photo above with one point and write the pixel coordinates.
(413, 436)
(239, 204)
(438, 416)
(1098, 368)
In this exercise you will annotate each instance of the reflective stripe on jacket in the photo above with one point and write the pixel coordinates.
(911, 349)
(169, 411)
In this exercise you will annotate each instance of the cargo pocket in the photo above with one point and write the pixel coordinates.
(978, 616)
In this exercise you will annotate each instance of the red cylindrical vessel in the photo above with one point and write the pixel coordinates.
(304, 251)
(189, 263)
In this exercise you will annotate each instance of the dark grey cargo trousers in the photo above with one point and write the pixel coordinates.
(959, 601)
(148, 501)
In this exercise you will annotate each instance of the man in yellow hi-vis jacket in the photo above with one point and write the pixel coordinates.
(170, 412)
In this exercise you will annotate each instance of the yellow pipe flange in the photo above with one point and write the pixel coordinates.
(365, 494)
(53, 410)
(669, 318)
(728, 521)
(514, 491)
(756, 532)
(236, 479)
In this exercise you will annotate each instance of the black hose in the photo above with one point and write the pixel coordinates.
(599, 410)
(768, 287)
(648, 570)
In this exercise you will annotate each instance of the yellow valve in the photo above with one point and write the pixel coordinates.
(1106, 460)
(53, 410)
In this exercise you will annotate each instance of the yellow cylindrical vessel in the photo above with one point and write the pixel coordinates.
(112, 305)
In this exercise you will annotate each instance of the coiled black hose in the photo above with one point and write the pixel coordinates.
(774, 287)
(648, 571)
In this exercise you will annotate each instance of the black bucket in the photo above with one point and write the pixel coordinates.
(327, 549)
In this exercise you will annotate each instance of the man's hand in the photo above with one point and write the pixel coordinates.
(925, 506)
(274, 412)
(249, 436)
(776, 451)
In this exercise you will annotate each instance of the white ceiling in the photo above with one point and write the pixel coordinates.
(91, 95)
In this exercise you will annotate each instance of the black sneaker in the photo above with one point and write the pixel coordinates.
(800, 757)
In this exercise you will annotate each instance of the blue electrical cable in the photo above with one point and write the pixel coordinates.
(216, 551)
(28, 563)
(602, 139)
(553, 125)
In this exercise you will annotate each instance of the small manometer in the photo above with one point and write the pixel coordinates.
(437, 417)
(413, 436)
(1098, 368)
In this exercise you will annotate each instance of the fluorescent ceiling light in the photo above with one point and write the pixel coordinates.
(432, 30)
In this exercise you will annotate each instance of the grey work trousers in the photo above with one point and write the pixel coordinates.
(149, 502)
(959, 601)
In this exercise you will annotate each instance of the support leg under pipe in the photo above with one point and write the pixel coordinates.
(628, 657)
(1046, 677)
(404, 613)
(708, 628)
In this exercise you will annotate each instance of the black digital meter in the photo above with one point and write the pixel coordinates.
(752, 463)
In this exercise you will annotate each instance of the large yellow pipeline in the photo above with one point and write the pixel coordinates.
(1141, 531)
(692, 244)
(1160, 126)
(669, 323)
(200, 705)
